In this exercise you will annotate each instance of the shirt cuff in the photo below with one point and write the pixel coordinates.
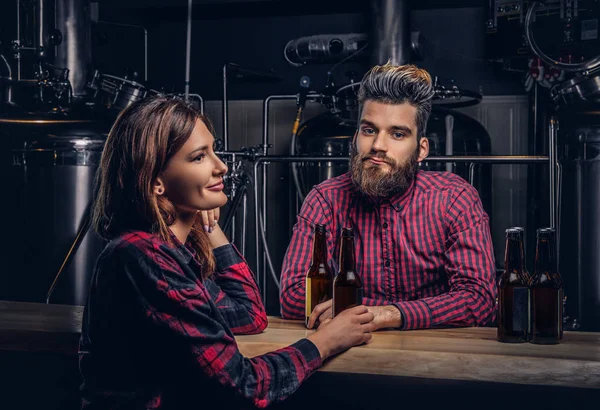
(311, 354)
(226, 256)
(415, 315)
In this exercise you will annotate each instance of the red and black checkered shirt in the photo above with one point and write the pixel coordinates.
(156, 335)
(427, 251)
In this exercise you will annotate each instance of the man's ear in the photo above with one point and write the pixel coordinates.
(423, 149)
(158, 187)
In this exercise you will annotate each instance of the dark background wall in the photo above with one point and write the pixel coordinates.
(253, 33)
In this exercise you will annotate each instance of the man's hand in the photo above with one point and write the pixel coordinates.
(385, 316)
(321, 313)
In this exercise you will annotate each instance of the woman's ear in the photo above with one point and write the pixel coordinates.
(159, 187)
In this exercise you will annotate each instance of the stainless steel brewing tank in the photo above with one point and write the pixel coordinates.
(579, 212)
(324, 135)
(469, 137)
(52, 160)
(331, 134)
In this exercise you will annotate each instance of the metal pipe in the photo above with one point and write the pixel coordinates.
(145, 41)
(9, 87)
(559, 174)
(225, 110)
(472, 173)
(19, 39)
(73, 20)
(199, 97)
(234, 205)
(230, 153)
(244, 220)
(487, 159)
(266, 105)
(81, 233)
(390, 32)
(265, 147)
(260, 280)
(260, 228)
(7, 66)
(263, 226)
(552, 148)
(449, 122)
(41, 16)
(188, 49)
(145, 54)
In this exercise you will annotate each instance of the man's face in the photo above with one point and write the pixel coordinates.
(384, 159)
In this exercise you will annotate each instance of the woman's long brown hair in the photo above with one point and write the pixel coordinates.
(140, 144)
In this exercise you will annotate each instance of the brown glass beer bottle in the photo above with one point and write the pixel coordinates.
(347, 286)
(546, 289)
(513, 291)
(319, 278)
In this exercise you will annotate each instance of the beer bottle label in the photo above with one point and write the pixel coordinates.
(520, 309)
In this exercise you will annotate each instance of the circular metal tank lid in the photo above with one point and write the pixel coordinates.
(54, 117)
(42, 121)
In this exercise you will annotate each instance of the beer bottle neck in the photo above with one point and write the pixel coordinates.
(347, 261)
(319, 256)
(514, 259)
(545, 257)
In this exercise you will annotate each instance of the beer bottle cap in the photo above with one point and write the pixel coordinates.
(320, 228)
(545, 232)
(513, 233)
(348, 232)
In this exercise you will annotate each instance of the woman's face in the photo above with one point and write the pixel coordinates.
(193, 178)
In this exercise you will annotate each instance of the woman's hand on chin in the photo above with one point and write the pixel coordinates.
(210, 224)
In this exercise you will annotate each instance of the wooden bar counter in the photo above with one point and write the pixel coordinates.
(458, 356)
(453, 354)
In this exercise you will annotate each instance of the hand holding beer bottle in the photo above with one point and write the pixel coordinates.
(352, 323)
(350, 328)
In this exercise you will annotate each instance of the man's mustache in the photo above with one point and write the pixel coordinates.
(380, 157)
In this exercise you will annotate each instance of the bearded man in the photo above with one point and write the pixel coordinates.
(422, 239)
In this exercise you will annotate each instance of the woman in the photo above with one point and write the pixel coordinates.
(169, 292)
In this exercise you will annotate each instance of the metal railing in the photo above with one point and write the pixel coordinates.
(472, 160)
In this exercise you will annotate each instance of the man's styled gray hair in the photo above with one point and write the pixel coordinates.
(390, 84)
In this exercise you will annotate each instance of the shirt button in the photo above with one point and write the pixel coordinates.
(385, 225)
(387, 264)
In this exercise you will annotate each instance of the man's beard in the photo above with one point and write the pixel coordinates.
(374, 181)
